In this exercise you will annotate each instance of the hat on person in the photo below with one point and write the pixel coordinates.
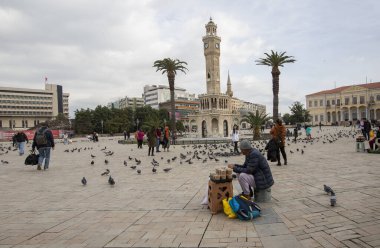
(245, 145)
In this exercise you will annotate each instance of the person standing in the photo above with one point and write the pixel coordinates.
(278, 132)
(65, 139)
(19, 139)
(295, 134)
(152, 141)
(125, 135)
(158, 139)
(235, 138)
(254, 173)
(44, 141)
(140, 138)
(166, 138)
(320, 126)
(366, 128)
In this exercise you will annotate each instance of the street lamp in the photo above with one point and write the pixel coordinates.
(101, 122)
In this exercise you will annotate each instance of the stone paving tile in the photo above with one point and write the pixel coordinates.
(51, 208)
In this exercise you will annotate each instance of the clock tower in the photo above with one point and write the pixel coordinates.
(211, 46)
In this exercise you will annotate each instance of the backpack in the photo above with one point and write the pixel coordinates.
(244, 208)
(41, 138)
(32, 159)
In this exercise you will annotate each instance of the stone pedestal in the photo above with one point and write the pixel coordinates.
(263, 195)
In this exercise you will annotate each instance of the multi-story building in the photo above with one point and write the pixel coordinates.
(156, 94)
(183, 108)
(346, 103)
(22, 108)
(127, 102)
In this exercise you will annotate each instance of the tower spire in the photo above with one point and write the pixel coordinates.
(229, 85)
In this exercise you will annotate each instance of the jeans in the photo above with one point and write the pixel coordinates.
(21, 146)
(139, 144)
(246, 181)
(236, 147)
(158, 145)
(282, 149)
(44, 155)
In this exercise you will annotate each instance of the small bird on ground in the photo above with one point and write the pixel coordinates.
(139, 171)
(106, 161)
(111, 181)
(302, 152)
(167, 169)
(125, 163)
(92, 162)
(154, 170)
(106, 172)
(133, 167)
(333, 199)
(93, 156)
(84, 181)
(328, 189)
(130, 158)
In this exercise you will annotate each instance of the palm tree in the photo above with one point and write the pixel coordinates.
(256, 120)
(275, 60)
(170, 67)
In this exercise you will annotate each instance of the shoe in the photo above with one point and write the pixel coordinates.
(46, 168)
(286, 163)
(278, 164)
(39, 167)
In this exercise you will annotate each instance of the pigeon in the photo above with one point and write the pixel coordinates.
(302, 152)
(4, 162)
(291, 151)
(154, 170)
(167, 169)
(111, 181)
(106, 161)
(139, 171)
(129, 157)
(133, 167)
(328, 189)
(106, 172)
(333, 199)
(92, 156)
(84, 181)
(92, 162)
(125, 163)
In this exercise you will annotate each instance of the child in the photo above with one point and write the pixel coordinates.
(308, 132)
(272, 149)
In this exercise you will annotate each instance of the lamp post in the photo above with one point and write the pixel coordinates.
(101, 122)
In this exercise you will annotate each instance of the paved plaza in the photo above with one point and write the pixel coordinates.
(53, 209)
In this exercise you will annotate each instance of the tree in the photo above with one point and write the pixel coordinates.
(298, 113)
(83, 121)
(256, 120)
(60, 122)
(287, 118)
(180, 127)
(170, 67)
(275, 60)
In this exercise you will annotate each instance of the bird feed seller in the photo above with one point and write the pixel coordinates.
(255, 171)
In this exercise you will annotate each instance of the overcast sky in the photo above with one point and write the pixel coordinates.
(100, 51)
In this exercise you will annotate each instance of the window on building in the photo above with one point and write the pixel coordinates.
(346, 101)
(310, 103)
(362, 100)
(10, 123)
(321, 103)
(328, 103)
(321, 117)
(1, 123)
(378, 98)
(23, 123)
(338, 102)
(26, 123)
(315, 103)
(333, 102)
(354, 100)
(316, 118)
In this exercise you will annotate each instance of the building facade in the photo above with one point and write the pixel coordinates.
(22, 108)
(346, 103)
(156, 94)
(183, 108)
(127, 102)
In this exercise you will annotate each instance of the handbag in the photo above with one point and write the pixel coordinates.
(32, 159)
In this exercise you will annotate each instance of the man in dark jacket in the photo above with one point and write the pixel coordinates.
(44, 141)
(367, 128)
(255, 171)
(19, 138)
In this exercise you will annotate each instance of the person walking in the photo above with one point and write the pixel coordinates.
(278, 132)
(44, 141)
(235, 138)
(19, 139)
(152, 141)
(158, 139)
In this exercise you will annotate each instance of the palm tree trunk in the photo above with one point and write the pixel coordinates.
(256, 134)
(171, 78)
(276, 89)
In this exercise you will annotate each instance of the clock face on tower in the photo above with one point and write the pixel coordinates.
(206, 45)
(217, 45)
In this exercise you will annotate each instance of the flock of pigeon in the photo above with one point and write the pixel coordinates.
(205, 154)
